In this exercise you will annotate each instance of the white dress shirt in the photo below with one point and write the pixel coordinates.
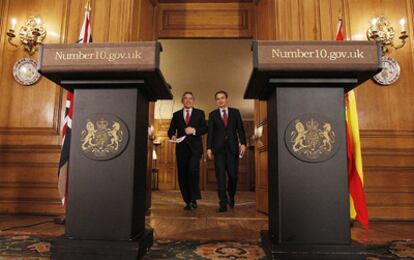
(222, 111)
(190, 110)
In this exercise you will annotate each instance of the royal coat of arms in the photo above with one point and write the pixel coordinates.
(103, 137)
(311, 139)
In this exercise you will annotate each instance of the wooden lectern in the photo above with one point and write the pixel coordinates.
(112, 85)
(304, 84)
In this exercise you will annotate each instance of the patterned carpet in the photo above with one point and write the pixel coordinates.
(198, 250)
(24, 247)
(38, 248)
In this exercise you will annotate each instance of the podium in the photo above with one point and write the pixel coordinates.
(304, 83)
(112, 86)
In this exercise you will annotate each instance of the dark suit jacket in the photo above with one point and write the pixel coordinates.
(220, 137)
(197, 121)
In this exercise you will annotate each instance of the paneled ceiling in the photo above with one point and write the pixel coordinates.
(203, 1)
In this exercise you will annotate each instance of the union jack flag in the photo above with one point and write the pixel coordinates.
(84, 37)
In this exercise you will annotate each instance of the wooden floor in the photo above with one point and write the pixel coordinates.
(170, 221)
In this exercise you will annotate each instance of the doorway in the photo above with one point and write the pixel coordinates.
(204, 66)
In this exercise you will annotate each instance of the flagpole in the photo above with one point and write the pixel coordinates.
(88, 6)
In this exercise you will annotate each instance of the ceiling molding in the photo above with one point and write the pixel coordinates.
(205, 1)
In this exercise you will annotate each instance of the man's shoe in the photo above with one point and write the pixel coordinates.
(60, 220)
(231, 203)
(193, 204)
(188, 206)
(222, 209)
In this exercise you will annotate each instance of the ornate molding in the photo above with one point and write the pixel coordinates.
(389, 169)
(25, 185)
(386, 133)
(30, 148)
(205, 20)
(392, 151)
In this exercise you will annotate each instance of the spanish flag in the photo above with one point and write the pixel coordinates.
(358, 206)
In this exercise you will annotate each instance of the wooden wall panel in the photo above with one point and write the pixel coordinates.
(330, 10)
(195, 20)
(31, 117)
(387, 129)
(166, 165)
(388, 157)
(266, 28)
(28, 179)
(27, 110)
(261, 158)
(383, 108)
(146, 29)
(265, 20)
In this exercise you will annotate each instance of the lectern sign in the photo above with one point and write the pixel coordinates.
(98, 56)
(104, 137)
(277, 63)
(307, 55)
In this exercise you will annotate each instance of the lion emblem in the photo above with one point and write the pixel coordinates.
(101, 138)
(312, 141)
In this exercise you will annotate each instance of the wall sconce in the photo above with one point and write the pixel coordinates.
(151, 132)
(154, 155)
(382, 31)
(156, 141)
(31, 34)
(151, 135)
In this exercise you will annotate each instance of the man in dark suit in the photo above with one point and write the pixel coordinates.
(226, 141)
(189, 122)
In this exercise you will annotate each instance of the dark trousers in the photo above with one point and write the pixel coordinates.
(226, 162)
(188, 165)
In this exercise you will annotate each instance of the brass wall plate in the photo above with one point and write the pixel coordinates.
(25, 72)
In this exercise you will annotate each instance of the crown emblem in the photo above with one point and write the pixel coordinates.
(102, 124)
(312, 124)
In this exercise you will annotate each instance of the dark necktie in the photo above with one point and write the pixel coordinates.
(187, 117)
(225, 118)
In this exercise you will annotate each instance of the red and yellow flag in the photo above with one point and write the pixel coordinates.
(358, 206)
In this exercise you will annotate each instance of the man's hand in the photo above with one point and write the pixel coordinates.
(189, 130)
(242, 149)
(209, 154)
(174, 138)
